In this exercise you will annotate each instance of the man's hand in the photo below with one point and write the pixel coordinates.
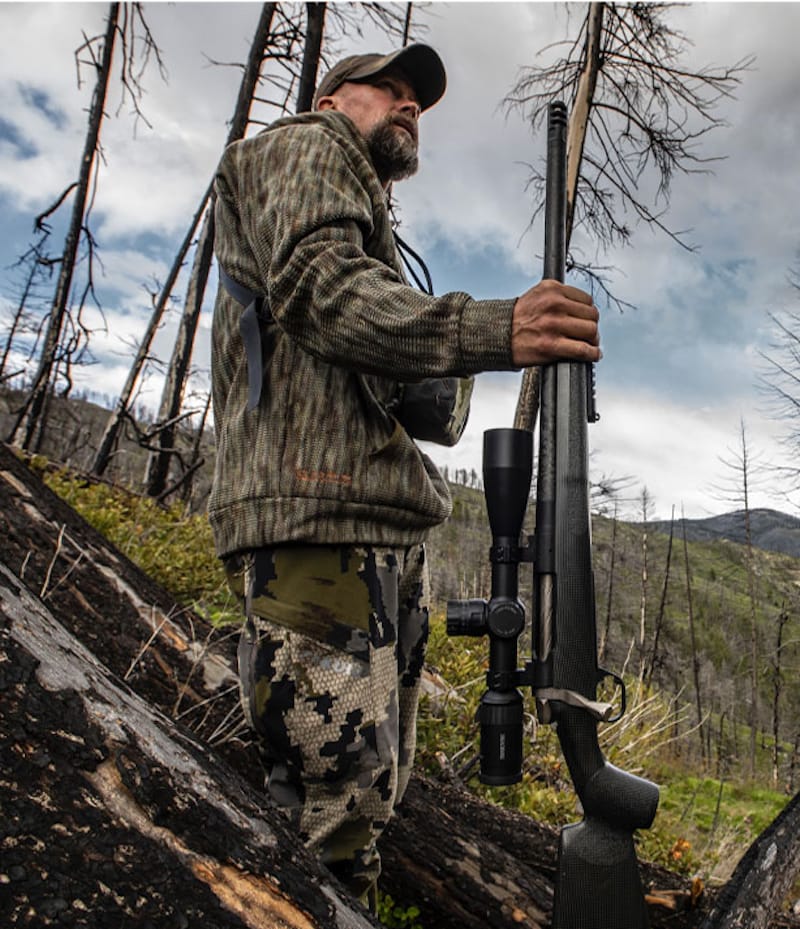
(554, 322)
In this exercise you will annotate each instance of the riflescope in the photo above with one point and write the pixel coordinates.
(507, 472)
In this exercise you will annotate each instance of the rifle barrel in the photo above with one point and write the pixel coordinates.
(555, 210)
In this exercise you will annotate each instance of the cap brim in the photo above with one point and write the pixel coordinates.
(423, 67)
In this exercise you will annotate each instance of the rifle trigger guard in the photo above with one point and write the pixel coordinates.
(623, 703)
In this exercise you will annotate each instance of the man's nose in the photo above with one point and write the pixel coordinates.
(409, 106)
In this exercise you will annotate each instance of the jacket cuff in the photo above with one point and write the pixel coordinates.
(486, 335)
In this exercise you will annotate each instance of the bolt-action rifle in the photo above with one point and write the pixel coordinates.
(597, 881)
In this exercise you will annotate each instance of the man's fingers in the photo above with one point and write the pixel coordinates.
(579, 327)
(577, 295)
(553, 291)
(563, 348)
(578, 350)
(576, 309)
(553, 322)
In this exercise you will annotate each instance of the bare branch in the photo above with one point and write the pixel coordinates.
(39, 222)
(648, 111)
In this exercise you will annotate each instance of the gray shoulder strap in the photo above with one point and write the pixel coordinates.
(250, 331)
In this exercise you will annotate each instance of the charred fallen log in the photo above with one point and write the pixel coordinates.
(112, 815)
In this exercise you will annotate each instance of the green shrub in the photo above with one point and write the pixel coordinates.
(397, 917)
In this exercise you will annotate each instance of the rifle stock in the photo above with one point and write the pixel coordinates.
(597, 883)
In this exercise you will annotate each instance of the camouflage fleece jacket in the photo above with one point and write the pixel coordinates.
(302, 218)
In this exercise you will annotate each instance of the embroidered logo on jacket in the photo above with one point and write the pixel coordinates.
(323, 477)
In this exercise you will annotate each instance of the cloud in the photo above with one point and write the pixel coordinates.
(678, 371)
(152, 178)
(471, 186)
(672, 449)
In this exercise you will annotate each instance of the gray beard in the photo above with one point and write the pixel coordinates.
(393, 153)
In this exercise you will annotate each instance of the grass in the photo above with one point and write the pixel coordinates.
(175, 549)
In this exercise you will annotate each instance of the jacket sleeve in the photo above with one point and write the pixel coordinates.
(315, 220)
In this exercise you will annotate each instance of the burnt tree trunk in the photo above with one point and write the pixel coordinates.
(30, 424)
(693, 639)
(117, 417)
(777, 688)
(582, 107)
(610, 595)
(763, 877)
(654, 658)
(158, 463)
(141, 820)
(315, 26)
(247, 89)
(139, 770)
(160, 459)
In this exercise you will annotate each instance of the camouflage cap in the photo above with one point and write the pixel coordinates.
(420, 63)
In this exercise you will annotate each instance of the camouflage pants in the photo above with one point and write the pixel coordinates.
(330, 661)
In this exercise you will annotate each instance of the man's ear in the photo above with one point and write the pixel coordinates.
(327, 103)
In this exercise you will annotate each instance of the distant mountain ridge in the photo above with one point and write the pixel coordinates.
(770, 530)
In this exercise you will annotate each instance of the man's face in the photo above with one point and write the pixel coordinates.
(386, 113)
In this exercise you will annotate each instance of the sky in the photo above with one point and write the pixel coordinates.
(681, 368)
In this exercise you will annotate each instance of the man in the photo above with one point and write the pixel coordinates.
(321, 499)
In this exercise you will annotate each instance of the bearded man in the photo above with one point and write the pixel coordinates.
(322, 499)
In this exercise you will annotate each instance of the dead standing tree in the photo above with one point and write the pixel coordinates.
(32, 264)
(163, 450)
(273, 41)
(120, 413)
(647, 502)
(610, 594)
(125, 24)
(158, 465)
(777, 689)
(659, 624)
(634, 107)
(32, 416)
(693, 640)
(745, 470)
(312, 51)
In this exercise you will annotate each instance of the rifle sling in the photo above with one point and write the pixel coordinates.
(256, 312)
(599, 710)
